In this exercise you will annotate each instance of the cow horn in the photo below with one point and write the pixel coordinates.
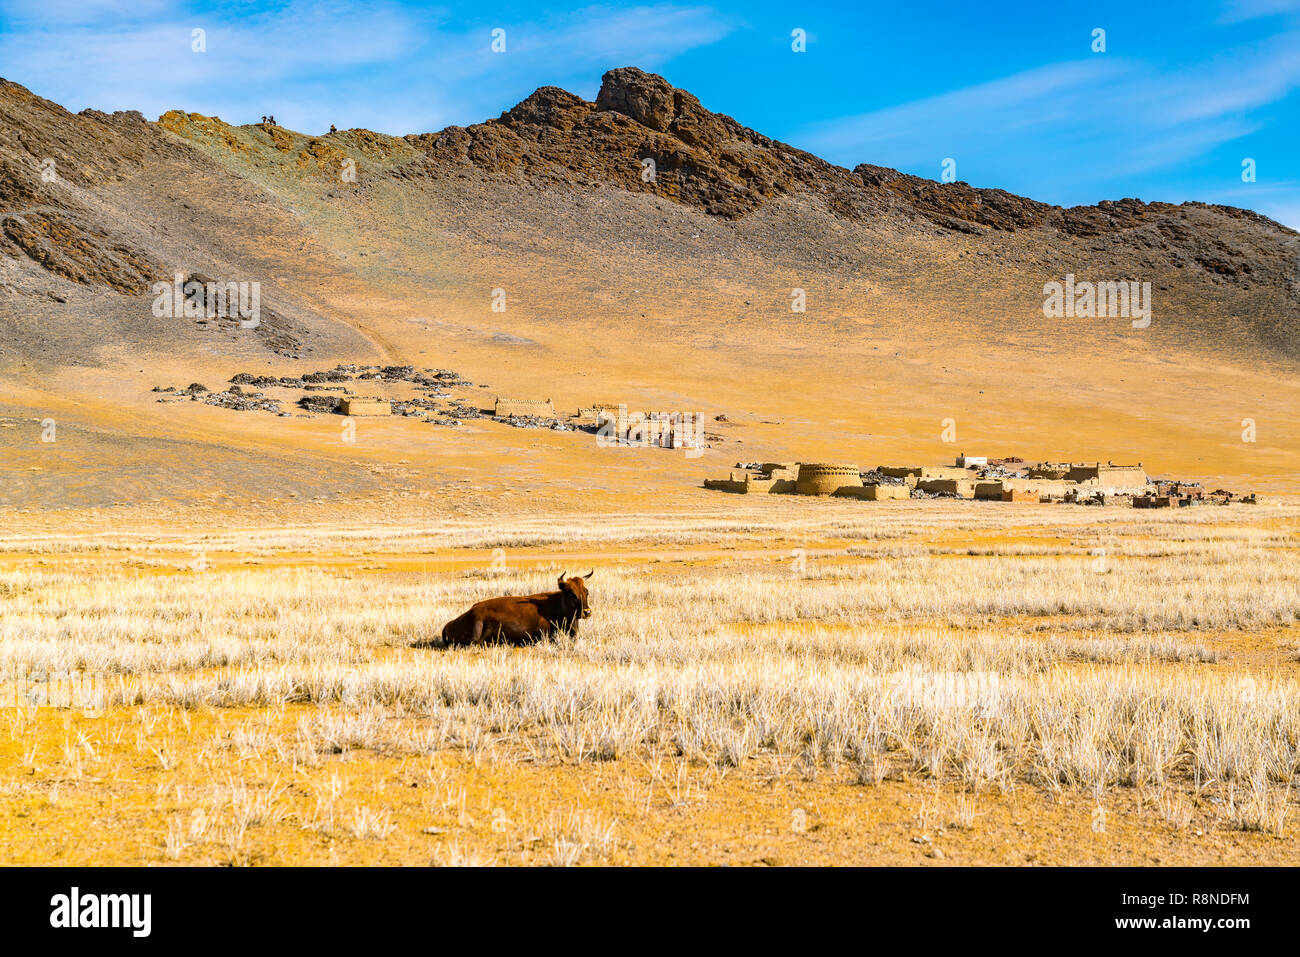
(590, 573)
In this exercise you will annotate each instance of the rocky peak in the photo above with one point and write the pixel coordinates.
(546, 106)
(657, 105)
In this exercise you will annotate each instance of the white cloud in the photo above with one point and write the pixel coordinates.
(1034, 98)
(151, 65)
(646, 35)
(1091, 120)
(28, 13)
(1237, 11)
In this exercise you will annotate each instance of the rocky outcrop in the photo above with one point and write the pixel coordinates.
(67, 247)
(698, 158)
(48, 156)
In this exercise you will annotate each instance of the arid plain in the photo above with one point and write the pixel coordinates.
(800, 682)
(765, 679)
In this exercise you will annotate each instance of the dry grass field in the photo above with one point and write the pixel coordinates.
(777, 682)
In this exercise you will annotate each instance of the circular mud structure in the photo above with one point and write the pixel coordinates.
(819, 478)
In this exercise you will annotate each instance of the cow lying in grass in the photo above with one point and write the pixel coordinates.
(522, 620)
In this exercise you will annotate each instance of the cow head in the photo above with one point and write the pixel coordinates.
(576, 587)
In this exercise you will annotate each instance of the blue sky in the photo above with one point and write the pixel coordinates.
(1013, 92)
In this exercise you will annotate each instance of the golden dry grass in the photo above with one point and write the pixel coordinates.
(1087, 684)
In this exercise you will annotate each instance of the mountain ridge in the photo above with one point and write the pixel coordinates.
(701, 159)
(659, 108)
(826, 312)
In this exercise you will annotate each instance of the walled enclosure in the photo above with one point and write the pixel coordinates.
(541, 408)
(875, 493)
(821, 478)
(961, 487)
(744, 482)
(365, 407)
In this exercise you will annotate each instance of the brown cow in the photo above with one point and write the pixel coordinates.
(522, 620)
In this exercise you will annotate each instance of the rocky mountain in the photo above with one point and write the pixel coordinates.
(63, 177)
(637, 249)
(710, 161)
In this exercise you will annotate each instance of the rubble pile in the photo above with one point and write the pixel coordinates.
(534, 422)
(876, 477)
(433, 383)
(320, 403)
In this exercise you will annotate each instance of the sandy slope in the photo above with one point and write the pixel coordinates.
(612, 295)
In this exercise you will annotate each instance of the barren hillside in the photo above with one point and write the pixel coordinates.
(539, 254)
